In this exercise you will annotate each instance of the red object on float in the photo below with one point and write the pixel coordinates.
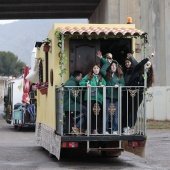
(26, 87)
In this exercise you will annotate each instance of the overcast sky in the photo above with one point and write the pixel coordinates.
(59, 20)
(7, 21)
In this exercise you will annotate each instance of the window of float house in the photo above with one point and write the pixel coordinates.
(46, 66)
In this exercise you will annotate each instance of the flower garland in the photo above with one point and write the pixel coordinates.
(61, 54)
(63, 57)
(41, 85)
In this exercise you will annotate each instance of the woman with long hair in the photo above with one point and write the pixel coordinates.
(91, 80)
(114, 78)
(136, 80)
(130, 63)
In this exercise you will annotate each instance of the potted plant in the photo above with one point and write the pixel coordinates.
(47, 43)
(42, 87)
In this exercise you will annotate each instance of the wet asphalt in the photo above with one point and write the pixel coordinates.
(18, 151)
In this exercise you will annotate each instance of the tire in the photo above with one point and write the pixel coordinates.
(19, 127)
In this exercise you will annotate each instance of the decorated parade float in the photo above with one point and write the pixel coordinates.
(70, 47)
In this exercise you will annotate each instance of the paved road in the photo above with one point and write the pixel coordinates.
(18, 151)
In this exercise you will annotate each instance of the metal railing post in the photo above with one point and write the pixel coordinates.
(104, 110)
(120, 109)
(88, 116)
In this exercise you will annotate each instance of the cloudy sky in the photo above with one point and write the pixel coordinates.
(7, 21)
(59, 20)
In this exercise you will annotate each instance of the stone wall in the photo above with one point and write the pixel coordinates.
(158, 103)
(152, 16)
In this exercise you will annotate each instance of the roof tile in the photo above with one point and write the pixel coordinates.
(98, 30)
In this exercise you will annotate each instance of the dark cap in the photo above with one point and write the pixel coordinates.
(129, 59)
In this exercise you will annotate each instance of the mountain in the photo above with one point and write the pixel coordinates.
(20, 37)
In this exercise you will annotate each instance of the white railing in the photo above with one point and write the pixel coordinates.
(131, 101)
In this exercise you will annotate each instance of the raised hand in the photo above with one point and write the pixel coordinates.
(129, 55)
(152, 55)
(99, 54)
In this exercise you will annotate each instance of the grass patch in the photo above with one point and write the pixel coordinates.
(157, 124)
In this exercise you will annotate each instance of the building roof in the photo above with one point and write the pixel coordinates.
(122, 29)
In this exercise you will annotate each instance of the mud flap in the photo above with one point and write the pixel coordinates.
(137, 150)
(46, 138)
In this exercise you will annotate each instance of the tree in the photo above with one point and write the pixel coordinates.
(10, 65)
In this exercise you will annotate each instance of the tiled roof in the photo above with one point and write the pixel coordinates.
(98, 30)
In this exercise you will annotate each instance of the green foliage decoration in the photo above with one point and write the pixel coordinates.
(46, 41)
(62, 56)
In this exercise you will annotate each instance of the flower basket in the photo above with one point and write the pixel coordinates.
(47, 43)
(46, 47)
(43, 90)
(42, 87)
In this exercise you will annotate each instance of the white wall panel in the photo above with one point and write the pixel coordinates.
(159, 96)
(168, 102)
(149, 104)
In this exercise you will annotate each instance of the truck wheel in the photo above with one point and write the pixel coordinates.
(19, 127)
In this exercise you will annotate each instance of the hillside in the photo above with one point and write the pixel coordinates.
(20, 37)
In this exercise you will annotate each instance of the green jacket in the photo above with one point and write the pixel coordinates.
(104, 63)
(93, 82)
(71, 82)
(112, 82)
